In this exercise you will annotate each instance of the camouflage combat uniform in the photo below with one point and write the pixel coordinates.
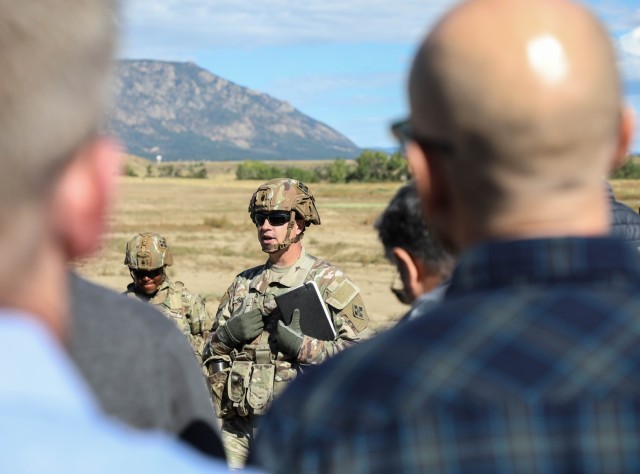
(184, 308)
(257, 371)
(148, 252)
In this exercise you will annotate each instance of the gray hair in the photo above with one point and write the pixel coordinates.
(55, 58)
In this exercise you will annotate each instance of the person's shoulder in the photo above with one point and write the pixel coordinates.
(387, 356)
(103, 306)
(356, 372)
(188, 295)
(623, 214)
(251, 273)
(354, 388)
(325, 271)
(625, 223)
(242, 280)
(335, 286)
(100, 445)
(321, 263)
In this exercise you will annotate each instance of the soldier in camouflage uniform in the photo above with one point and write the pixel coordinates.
(147, 255)
(252, 354)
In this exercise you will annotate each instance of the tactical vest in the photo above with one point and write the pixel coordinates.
(253, 375)
(172, 305)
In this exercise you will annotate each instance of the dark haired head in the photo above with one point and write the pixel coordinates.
(403, 225)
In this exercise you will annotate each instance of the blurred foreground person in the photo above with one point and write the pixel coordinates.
(147, 257)
(58, 176)
(423, 262)
(149, 379)
(625, 222)
(530, 363)
(254, 354)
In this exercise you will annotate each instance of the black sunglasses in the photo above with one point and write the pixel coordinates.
(403, 131)
(140, 274)
(276, 219)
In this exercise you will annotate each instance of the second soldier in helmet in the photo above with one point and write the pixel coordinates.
(253, 355)
(147, 257)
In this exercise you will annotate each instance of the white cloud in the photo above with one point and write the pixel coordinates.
(177, 27)
(630, 42)
(630, 67)
(329, 84)
(628, 46)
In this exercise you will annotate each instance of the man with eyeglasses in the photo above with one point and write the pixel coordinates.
(424, 263)
(254, 355)
(147, 256)
(530, 362)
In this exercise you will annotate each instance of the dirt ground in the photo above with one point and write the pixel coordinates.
(207, 227)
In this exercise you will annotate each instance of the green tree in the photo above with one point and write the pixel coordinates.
(199, 173)
(166, 171)
(630, 170)
(397, 168)
(374, 166)
(305, 176)
(257, 170)
(129, 171)
(337, 171)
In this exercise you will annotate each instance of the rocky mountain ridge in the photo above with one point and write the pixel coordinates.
(181, 111)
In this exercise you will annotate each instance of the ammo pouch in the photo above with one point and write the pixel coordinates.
(218, 368)
(260, 390)
(250, 385)
(238, 384)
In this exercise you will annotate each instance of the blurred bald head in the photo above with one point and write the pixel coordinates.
(528, 95)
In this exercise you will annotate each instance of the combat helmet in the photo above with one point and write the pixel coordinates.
(147, 251)
(285, 194)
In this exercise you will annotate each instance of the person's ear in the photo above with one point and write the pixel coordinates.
(625, 136)
(419, 169)
(83, 195)
(300, 226)
(409, 272)
(431, 184)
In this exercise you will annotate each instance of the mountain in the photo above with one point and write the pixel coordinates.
(181, 111)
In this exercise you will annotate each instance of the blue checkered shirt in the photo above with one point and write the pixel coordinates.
(530, 365)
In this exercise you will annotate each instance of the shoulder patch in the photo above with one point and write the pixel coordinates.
(358, 315)
(340, 296)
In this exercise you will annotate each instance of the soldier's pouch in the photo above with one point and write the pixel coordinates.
(285, 373)
(238, 383)
(219, 369)
(260, 391)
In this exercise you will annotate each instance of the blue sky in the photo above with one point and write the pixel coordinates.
(343, 63)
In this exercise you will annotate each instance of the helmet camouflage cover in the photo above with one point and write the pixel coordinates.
(147, 251)
(285, 194)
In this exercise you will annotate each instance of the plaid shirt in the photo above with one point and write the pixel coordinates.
(530, 365)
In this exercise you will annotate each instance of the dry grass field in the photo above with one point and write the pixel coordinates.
(207, 226)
